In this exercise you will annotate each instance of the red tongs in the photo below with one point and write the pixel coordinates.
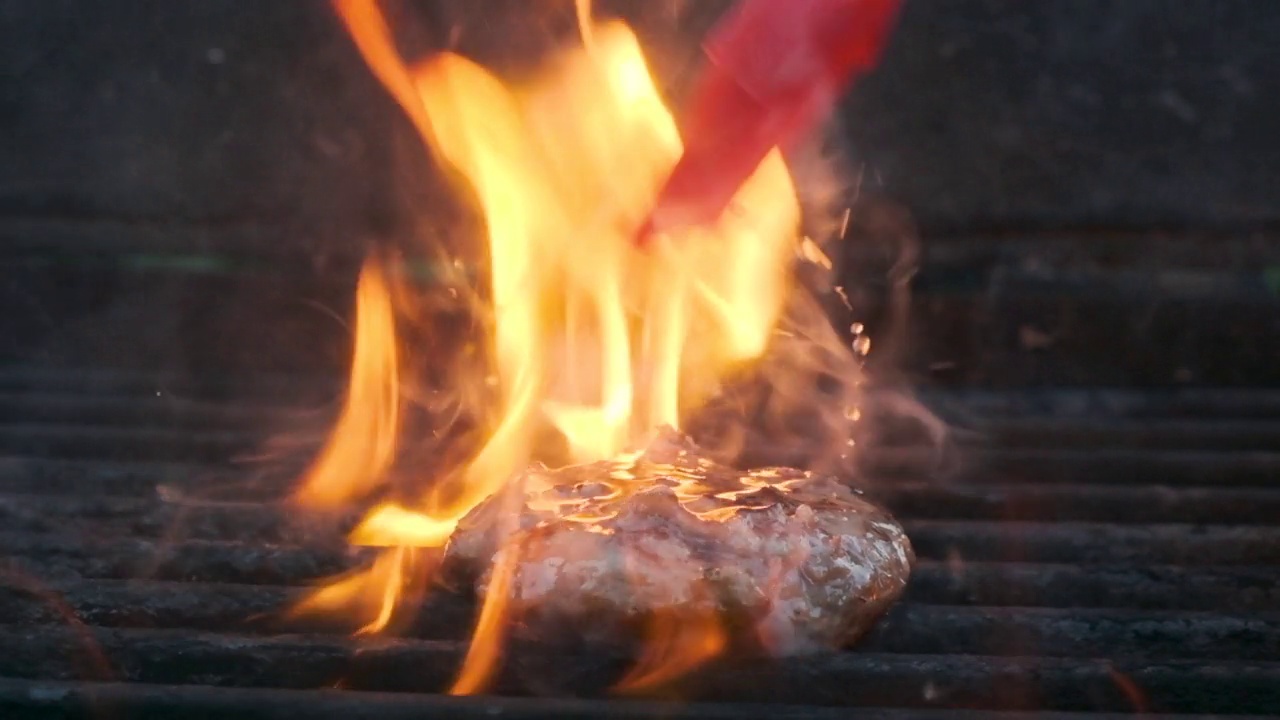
(776, 68)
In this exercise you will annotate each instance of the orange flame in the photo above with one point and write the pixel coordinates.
(483, 653)
(675, 644)
(591, 338)
(676, 640)
(363, 442)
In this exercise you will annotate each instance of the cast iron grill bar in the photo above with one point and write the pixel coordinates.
(123, 443)
(76, 417)
(909, 500)
(168, 429)
(958, 540)
(55, 421)
(865, 679)
(1108, 466)
(1070, 465)
(96, 382)
(149, 411)
(127, 569)
(27, 473)
(42, 699)
(1112, 403)
(1087, 544)
(36, 475)
(911, 628)
(1095, 543)
(1141, 433)
(1067, 465)
(196, 561)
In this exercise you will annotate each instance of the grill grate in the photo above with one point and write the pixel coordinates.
(1099, 552)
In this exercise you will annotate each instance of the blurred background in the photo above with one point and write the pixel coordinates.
(1078, 191)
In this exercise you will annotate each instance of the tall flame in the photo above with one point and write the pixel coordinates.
(362, 444)
(591, 338)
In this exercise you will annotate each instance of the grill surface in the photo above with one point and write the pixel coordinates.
(1091, 553)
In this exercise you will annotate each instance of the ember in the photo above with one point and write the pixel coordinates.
(592, 343)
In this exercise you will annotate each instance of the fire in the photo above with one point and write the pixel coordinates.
(363, 442)
(676, 645)
(592, 342)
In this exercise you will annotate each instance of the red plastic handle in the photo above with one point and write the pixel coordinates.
(776, 68)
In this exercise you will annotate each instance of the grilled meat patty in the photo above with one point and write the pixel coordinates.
(786, 561)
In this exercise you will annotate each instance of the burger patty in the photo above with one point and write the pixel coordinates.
(787, 561)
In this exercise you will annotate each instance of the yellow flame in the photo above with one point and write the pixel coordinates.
(390, 525)
(483, 653)
(362, 444)
(374, 593)
(591, 337)
(675, 643)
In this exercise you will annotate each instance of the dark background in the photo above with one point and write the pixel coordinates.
(189, 186)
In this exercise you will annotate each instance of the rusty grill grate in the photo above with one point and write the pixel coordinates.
(1098, 552)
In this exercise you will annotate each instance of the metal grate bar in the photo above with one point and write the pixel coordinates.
(1105, 466)
(1141, 528)
(845, 679)
(1079, 543)
(912, 627)
(45, 699)
(143, 574)
(37, 443)
(909, 500)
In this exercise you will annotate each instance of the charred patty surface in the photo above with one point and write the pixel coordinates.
(800, 563)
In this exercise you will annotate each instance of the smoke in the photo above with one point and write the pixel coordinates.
(830, 389)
